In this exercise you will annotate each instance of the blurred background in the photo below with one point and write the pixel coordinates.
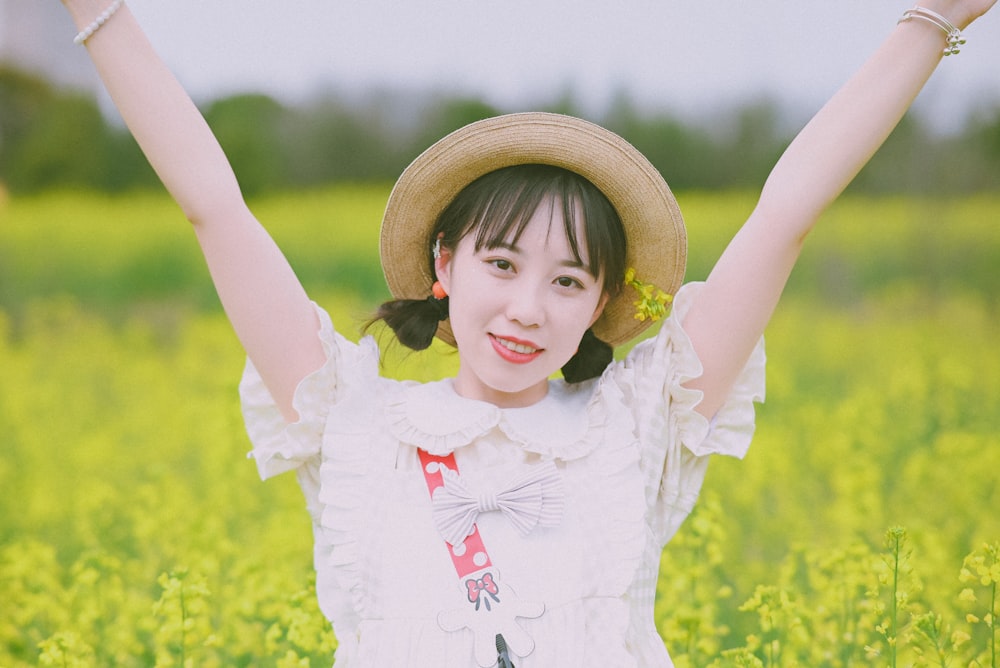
(132, 531)
(309, 93)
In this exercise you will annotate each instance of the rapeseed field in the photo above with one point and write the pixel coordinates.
(862, 529)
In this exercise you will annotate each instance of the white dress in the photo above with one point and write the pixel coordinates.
(629, 453)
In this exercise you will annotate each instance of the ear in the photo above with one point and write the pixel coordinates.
(600, 308)
(442, 267)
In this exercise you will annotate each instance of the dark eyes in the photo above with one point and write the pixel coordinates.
(568, 282)
(505, 265)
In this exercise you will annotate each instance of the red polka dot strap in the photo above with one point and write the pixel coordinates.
(470, 555)
(490, 606)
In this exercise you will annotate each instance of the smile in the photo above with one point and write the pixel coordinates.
(519, 352)
(516, 347)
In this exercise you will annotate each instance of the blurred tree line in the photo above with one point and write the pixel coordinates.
(52, 138)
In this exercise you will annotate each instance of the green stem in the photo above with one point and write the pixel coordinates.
(895, 602)
(846, 628)
(691, 626)
(993, 628)
(183, 629)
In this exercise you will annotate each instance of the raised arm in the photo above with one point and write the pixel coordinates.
(744, 287)
(259, 291)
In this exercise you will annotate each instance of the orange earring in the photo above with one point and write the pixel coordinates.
(438, 290)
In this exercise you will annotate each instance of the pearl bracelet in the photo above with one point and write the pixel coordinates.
(101, 19)
(954, 35)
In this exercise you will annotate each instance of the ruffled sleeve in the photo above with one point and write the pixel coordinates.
(279, 446)
(675, 440)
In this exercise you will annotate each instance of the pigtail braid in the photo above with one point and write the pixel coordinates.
(414, 321)
(591, 359)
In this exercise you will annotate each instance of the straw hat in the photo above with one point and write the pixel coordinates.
(654, 230)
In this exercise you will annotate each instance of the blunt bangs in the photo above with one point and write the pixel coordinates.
(497, 207)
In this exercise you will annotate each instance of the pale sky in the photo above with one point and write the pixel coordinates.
(684, 55)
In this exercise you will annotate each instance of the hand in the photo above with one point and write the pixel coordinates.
(487, 621)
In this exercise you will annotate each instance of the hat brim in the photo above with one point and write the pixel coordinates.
(656, 240)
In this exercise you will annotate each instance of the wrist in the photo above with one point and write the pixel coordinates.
(930, 19)
(90, 15)
(83, 11)
(949, 10)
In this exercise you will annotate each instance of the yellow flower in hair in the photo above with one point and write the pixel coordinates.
(653, 303)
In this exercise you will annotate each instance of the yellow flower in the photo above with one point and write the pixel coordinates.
(967, 596)
(652, 303)
(959, 638)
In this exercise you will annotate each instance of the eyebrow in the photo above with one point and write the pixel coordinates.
(574, 264)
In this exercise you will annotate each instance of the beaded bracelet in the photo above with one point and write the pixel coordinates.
(954, 35)
(101, 19)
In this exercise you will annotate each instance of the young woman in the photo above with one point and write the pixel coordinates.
(501, 517)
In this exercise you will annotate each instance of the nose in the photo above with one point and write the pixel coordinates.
(526, 305)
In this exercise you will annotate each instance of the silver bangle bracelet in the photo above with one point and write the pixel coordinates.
(952, 34)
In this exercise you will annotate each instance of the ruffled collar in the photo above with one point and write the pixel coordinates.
(566, 424)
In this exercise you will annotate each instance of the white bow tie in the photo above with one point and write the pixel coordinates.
(535, 498)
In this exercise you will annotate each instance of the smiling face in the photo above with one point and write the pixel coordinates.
(518, 309)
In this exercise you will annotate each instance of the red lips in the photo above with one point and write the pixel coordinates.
(502, 345)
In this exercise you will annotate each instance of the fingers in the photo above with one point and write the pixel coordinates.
(518, 641)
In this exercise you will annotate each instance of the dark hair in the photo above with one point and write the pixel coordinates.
(496, 208)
